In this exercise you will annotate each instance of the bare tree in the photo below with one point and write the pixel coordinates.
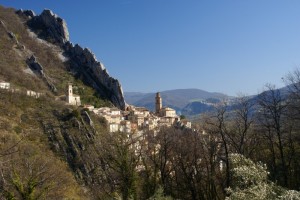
(292, 81)
(32, 174)
(216, 125)
(163, 156)
(117, 152)
(240, 130)
(272, 112)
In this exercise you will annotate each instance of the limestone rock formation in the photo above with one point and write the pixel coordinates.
(49, 25)
(27, 13)
(37, 68)
(83, 62)
(34, 65)
(85, 65)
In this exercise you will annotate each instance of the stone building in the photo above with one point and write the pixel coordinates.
(137, 115)
(114, 118)
(168, 112)
(71, 98)
(167, 115)
(125, 126)
(33, 94)
(4, 85)
(185, 123)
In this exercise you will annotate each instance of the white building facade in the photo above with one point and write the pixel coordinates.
(4, 85)
(71, 98)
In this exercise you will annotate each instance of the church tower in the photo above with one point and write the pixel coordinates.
(70, 90)
(70, 94)
(158, 103)
(71, 98)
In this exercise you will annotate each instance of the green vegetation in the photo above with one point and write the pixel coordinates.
(46, 146)
(30, 169)
(50, 150)
(52, 135)
(12, 70)
(89, 96)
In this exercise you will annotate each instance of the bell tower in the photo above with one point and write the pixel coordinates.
(158, 103)
(69, 94)
(70, 90)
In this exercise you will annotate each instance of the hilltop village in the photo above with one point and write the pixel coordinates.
(135, 119)
(131, 120)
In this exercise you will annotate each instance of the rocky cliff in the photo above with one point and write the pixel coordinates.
(83, 63)
(47, 25)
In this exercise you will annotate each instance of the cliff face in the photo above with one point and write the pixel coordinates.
(83, 63)
(51, 26)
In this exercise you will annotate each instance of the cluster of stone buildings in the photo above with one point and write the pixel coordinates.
(133, 119)
(136, 119)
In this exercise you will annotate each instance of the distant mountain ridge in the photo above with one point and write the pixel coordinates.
(177, 99)
(189, 102)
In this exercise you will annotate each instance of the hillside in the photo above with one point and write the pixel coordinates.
(48, 148)
(177, 99)
(28, 40)
(196, 108)
(244, 148)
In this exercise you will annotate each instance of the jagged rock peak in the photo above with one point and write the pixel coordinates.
(85, 64)
(88, 56)
(28, 13)
(48, 25)
(58, 27)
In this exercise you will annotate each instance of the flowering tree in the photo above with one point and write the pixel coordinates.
(250, 181)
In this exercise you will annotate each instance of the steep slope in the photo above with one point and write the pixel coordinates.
(43, 138)
(22, 51)
(81, 62)
(60, 133)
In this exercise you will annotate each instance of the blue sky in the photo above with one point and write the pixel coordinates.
(229, 46)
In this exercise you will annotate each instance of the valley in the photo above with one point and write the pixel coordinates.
(67, 130)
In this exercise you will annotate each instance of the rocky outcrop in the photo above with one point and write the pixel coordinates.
(83, 62)
(85, 65)
(70, 137)
(26, 13)
(48, 26)
(9, 33)
(37, 68)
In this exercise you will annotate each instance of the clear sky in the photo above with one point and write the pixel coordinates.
(228, 46)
